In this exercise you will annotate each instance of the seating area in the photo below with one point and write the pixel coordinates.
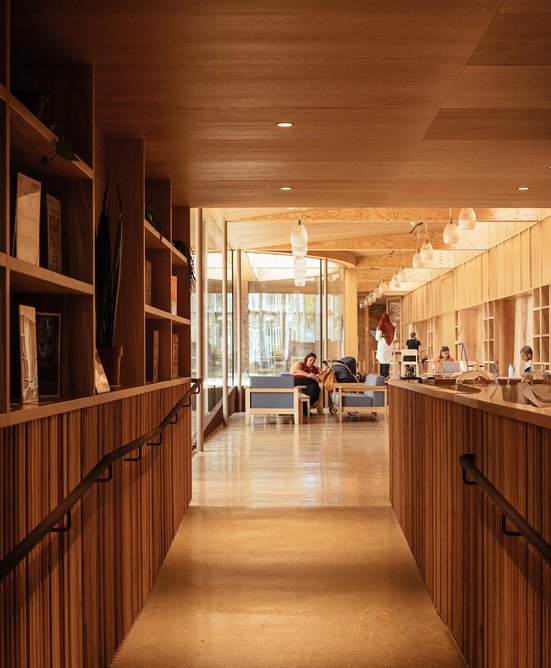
(274, 395)
(369, 397)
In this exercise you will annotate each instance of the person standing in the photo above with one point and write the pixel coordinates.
(384, 336)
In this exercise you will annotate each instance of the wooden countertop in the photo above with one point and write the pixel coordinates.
(488, 399)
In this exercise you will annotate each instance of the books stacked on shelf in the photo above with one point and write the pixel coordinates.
(175, 355)
(148, 282)
(174, 295)
(27, 219)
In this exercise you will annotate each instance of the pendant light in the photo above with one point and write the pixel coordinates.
(299, 268)
(417, 261)
(466, 220)
(383, 286)
(427, 251)
(402, 274)
(450, 236)
(299, 239)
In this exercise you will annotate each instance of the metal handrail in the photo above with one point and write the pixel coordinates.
(31, 540)
(508, 511)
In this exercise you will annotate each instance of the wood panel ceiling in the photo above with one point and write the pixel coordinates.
(395, 103)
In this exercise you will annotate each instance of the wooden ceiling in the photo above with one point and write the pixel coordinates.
(395, 102)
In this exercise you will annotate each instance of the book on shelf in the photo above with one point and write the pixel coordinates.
(174, 295)
(100, 377)
(48, 339)
(155, 357)
(28, 355)
(53, 234)
(175, 355)
(148, 282)
(27, 219)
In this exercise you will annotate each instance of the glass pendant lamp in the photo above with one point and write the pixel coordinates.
(427, 251)
(383, 286)
(466, 220)
(450, 236)
(299, 239)
(417, 259)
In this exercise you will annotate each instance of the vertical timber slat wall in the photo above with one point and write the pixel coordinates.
(493, 591)
(76, 595)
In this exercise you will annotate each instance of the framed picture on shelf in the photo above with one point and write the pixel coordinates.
(53, 234)
(27, 219)
(28, 354)
(48, 346)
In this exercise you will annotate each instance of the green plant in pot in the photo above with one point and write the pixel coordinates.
(108, 274)
(186, 252)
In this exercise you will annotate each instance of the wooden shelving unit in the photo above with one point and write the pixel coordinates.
(540, 315)
(29, 146)
(488, 324)
(31, 150)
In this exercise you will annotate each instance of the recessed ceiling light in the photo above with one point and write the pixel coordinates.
(284, 124)
(286, 188)
(523, 188)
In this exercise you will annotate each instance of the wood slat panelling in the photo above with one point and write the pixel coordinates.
(492, 590)
(76, 595)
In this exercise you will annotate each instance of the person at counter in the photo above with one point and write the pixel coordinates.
(526, 357)
(444, 356)
(413, 342)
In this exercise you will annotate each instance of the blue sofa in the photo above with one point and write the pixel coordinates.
(369, 397)
(274, 395)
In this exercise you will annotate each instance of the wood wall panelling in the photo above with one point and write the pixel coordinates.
(535, 255)
(75, 597)
(546, 245)
(491, 589)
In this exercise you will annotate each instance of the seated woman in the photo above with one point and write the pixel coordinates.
(444, 356)
(307, 373)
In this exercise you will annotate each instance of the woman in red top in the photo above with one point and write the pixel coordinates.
(307, 373)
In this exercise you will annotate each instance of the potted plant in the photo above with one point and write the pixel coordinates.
(186, 252)
(108, 272)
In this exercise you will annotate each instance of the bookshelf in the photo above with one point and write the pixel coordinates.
(540, 318)
(29, 144)
(488, 325)
(31, 150)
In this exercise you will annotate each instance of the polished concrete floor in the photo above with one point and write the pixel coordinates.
(290, 556)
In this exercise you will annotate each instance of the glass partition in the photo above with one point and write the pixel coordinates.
(283, 322)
